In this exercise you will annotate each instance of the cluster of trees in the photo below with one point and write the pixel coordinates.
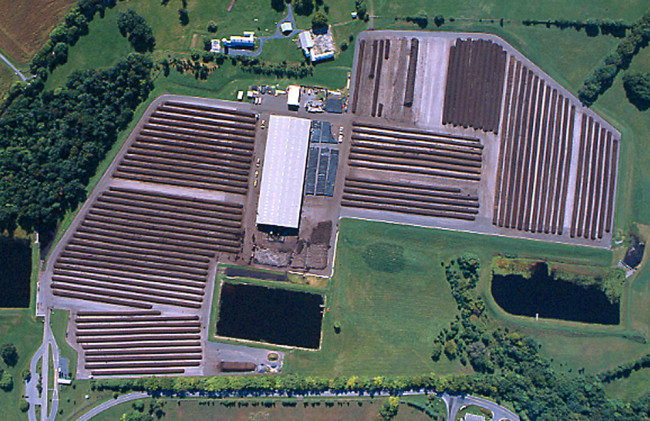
(616, 28)
(603, 76)
(135, 29)
(624, 370)
(361, 9)
(422, 19)
(279, 70)
(9, 355)
(637, 89)
(52, 141)
(303, 7)
(138, 412)
(523, 377)
(75, 24)
(319, 22)
(194, 66)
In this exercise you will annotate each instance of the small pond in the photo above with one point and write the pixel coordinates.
(272, 315)
(15, 272)
(553, 298)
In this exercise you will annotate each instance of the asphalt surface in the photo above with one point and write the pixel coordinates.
(453, 402)
(113, 402)
(31, 392)
(456, 402)
(16, 71)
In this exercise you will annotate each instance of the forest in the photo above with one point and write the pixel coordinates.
(52, 141)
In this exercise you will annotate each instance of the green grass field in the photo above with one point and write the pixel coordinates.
(309, 409)
(18, 327)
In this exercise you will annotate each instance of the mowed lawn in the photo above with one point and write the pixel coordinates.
(18, 327)
(338, 409)
(389, 320)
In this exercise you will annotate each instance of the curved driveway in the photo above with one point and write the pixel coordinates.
(113, 402)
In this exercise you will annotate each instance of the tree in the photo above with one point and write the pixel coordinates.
(9, 354)
(319, 22)
(23, 406)
(389, 408)
(436, 351)
(278, 5)
(304, 7)
(439, 20)
(6, 382)
(183, 17)
(451, 349)
(212, 26)
(135, 28)
(637, 89)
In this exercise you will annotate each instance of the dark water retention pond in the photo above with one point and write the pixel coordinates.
(553, 298)
(277, 316)
(15, 272)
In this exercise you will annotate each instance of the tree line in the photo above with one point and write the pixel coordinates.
(592, 27)
(51, 142)
(603, 76)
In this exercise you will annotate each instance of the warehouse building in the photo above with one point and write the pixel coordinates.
(283, 174)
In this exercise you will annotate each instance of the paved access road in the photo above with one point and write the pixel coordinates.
(6, 60)
(31, 392)
(109, 404)
(454, 402)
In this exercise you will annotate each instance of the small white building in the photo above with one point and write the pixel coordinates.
(286, 27)
(235, 41)
(322, 56)
(215, 46)
(293, 98)
(306, 42)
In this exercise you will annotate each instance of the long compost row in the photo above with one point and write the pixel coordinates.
(195, 146)
(535, 155)
(138, 343)
(137, 248)
(415, 151)
(409, 198)
(593, 204)
(474, 86)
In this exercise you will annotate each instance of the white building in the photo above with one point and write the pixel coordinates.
(286, 27)
(293, 97)
(215, 46)
(283, 173)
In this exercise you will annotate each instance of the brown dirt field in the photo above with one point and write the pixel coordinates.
(24, 27)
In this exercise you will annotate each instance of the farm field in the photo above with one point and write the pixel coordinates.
(24, 26)
(334, 409)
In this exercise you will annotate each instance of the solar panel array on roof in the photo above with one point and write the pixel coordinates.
(312, 167)
(321, 132)
(320, 177)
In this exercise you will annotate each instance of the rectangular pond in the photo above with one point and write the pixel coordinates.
(15, 272)
(273, 315)
(553, 298)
